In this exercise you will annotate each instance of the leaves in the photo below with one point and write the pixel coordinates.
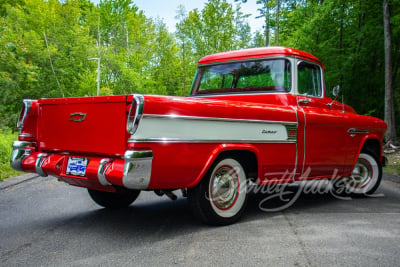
(139, 55)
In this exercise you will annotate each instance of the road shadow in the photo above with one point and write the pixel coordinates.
(160, 219)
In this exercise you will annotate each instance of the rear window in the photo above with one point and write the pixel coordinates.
(259, 75)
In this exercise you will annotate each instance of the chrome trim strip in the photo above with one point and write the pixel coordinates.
(41, 157)
(132, 122)
(297, 144)
(241, 94)
(19, 153)
(26, 135)
(137, 169)
(305, 147)
(355, 131)
(182, 117)
(27, 108)
(101, 171)
(177, 140)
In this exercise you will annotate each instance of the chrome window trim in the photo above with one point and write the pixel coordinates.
(241, 94)
(289, 58)
(298, 62)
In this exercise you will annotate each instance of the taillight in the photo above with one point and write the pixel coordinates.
(135, 114)
(26, 109)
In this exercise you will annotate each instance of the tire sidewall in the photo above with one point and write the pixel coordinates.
(373, 183)
(202, 204)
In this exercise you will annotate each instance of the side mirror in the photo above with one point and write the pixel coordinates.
(335, 91)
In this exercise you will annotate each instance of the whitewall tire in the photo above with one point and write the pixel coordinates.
(365, 177)
(220, 198)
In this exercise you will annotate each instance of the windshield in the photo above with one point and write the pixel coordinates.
(263, 75)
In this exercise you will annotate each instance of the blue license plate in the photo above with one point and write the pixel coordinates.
(77, 166)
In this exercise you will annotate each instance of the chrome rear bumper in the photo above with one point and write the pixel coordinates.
(133, 171)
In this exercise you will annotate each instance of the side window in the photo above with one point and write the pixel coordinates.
(309, 79)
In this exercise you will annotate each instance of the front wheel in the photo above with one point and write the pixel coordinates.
(365, 177)
(220, 198)
(121, 198)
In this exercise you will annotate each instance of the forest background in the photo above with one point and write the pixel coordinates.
(45, 46)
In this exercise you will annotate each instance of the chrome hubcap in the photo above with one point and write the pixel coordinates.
(361, 175)
(224, 187)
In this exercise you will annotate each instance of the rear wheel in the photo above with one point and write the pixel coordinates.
(220, 198)
(121, 198)
(365, 177)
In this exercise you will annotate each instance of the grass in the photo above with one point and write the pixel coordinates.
(6, 139)
(393, 166)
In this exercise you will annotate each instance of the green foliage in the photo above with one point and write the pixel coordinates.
(45, 46)
(6, 139)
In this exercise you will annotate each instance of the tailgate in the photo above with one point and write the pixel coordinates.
(86, 124)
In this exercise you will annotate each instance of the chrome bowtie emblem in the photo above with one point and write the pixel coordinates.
(77, 116)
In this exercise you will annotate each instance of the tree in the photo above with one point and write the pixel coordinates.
(391, 136)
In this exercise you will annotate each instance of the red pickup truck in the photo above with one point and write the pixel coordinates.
(257, 116)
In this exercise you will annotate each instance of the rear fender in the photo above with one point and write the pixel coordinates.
(224, 148)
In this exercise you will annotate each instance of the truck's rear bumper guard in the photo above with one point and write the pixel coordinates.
(136, 173)
(137, 169)
(21, 150)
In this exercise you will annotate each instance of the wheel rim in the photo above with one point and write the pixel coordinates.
(361, 175)
(224, 187)
(364, 177)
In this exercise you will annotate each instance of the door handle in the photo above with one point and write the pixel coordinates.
(304, 101)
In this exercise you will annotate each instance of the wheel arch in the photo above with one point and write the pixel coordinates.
(369, 144)
(372, 144)
(246, 155)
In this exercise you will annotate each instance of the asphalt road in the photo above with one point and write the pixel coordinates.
(47, 223)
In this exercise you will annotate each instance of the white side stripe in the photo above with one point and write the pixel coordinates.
(167, 129)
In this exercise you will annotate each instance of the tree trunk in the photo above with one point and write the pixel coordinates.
(278, 7)
(266, 26)
(391, 136)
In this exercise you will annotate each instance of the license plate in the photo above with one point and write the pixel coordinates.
(77, 166)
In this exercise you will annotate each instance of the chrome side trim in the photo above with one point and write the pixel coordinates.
(19, 153)
(355, 131)
(133, 120)
(101, 171)
(27, 108)
(242, 94)
(137, 169)
(41, 157)
(297, 144)
(215, 119)
(177, 140)
(26, 135)
(305, 144)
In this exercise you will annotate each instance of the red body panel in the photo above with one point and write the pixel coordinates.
(101, 132)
